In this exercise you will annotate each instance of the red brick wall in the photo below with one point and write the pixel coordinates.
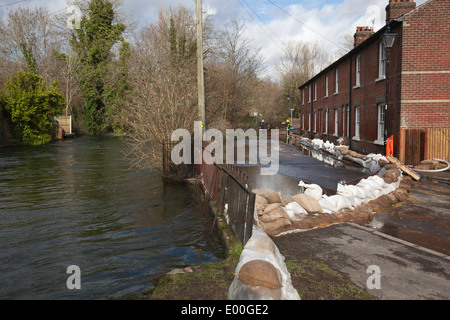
(419, 81)
(426, 67)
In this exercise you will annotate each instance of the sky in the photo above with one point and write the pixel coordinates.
(270, 24)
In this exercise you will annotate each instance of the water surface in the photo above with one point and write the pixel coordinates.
(77, 202)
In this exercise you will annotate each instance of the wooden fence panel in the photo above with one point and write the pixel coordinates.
(438, 141)
(414, 146)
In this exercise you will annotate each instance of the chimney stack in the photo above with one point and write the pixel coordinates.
(397, 8)
(362, 34)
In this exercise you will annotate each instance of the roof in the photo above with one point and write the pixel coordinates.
(376, 36)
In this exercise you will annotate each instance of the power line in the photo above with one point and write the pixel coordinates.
(271, 38)
(10, 4)
(264, 22)
(305, 24)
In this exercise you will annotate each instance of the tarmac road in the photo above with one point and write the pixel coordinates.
(406, 271)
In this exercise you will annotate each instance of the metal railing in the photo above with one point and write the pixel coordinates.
(226, 185)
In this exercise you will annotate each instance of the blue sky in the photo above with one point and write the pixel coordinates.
(270, 24)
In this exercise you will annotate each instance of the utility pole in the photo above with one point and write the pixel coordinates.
(200, 76)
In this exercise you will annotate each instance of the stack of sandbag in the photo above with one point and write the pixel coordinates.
(271, 216)
(261, 273)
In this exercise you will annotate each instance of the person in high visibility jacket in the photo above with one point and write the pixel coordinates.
(288, 129)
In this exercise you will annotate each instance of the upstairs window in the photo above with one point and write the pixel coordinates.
(337, 82)
(358, 71)
(382, 61)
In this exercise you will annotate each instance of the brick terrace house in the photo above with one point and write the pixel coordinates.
(348, 98)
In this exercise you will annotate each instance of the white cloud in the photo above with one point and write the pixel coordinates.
(325, 22)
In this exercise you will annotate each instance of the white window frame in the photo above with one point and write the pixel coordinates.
(380, 123)
(315, 121)
(343, 121)
(336, 91)
(381, 62)
(336, 122)
(303, 100)
(326, 86)
(310, 120)
(309, 91)
(326, 120)
(358, 71)
(315, 90)
(357, 123)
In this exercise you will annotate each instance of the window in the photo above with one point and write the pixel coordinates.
(357, 122)
(303, 121)
(326, 86)
(358, 71)
(315, 90)
(343, 121)
(315, 121)
(310, 116)
(326, 120)
(336, 120)
(337, 82)
(303, 98)
(381, 120)
(381, 61)
(309, 98)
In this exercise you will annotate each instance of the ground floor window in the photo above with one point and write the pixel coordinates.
(357, 122)
(381, 124)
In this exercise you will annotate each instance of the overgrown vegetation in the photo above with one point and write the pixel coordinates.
(32, 107)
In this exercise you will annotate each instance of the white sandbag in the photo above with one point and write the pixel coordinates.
(295, 211)
(261, 247)
(335, 203)
(312, 190)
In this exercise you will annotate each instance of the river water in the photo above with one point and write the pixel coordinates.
(77, 202)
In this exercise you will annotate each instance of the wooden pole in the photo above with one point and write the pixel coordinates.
(200, 77)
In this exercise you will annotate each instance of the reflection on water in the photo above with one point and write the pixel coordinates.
(77, 202)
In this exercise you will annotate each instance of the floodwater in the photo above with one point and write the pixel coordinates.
(76, 202)
(309, 166)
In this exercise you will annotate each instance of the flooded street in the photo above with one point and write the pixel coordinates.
(76, 202)
(423, 219)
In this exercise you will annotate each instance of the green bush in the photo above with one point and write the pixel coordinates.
(32, 107)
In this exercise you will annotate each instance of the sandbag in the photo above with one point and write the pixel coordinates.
(278, 213)
(307, 202)
(295, 211)
(275, 227)
(335, 203)
(260, 202)
(261, 247)
(270, 195)
(271, 207)
(260, 273)
(312, 190)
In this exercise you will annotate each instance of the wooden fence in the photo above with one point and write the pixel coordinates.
(421, 144)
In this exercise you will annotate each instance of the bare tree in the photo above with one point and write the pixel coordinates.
(301, 61)
(163, 79)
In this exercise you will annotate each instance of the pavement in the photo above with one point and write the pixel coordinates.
(409, 245)
(406, 271)
(410, 248)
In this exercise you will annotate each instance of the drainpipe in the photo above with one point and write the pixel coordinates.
(311, 115)
(350, 107)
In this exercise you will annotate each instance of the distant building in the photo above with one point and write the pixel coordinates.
(348, 98)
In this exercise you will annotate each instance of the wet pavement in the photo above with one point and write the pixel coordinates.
(297, 165)
(409, 242)
(404, 271)
(423, 219)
